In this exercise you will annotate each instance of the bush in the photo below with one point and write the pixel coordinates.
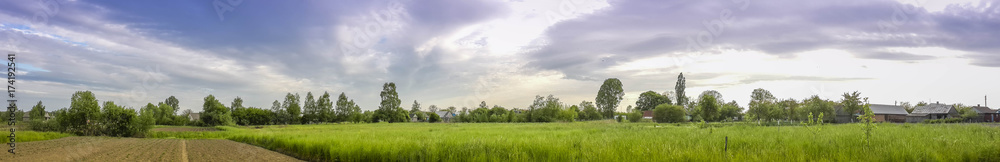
(667, 113)
(44, 126)
(635, 116)
(433, 117)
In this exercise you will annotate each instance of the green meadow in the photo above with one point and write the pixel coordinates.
(611, 141)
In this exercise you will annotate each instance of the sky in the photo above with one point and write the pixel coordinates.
(461, 52)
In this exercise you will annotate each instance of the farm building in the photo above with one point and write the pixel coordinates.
(889, 113)
(987, 114)
(647, 114)
(932, 111)
(194, 116)
(446, 116)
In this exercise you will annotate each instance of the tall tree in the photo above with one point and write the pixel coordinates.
(325, 106)
(730, 111)
(237, 103)
(344, 107)
(790, 108)
(433, 108)
(679, 89)
(649, 99)
(851, 102)
(415, 109)
(37, 112)
(292, 107)
(709, 103)
(215, 112)
(310, 113)
(389, 109)
(609, 96)
(173, 102)
(816, 106)
(84, 113)
(761, 105)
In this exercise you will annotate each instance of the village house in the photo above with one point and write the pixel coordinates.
(986, 114)
(446, 116)
(647, 115)
(889, 113)
(194, 116)
(932, 111)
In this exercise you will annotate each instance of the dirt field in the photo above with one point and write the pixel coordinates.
(139, 149)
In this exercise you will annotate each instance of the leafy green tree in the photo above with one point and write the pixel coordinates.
(280, 115)
(415, 109)
(433, 117)
(762, 105)
(433, 108)
(325, 106)
(667, 113)
(165, 114)
(292, 107)
(389, 109)
(589, 111)
(174, 103)
(679, 89)
(851, 102)
(649, 99)
(635, 116)
(609, 96)
(37, 112)
(240, 116)
(790, 108)
(709, 106)
(310, 113)
(215, 113)
(816, 105)
(730, 111)
(117, 120)
(83, 115)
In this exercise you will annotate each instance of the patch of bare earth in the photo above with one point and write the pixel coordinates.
(140, 149)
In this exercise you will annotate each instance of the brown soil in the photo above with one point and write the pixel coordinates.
(184, 129)
(139, 149)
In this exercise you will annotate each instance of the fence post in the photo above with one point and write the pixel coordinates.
(726, 149)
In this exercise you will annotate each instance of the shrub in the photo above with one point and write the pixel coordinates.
(44, 126)
(433, 117)
(667, 113)
(635, 116)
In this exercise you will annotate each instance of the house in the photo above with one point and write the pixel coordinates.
(26, 117)
(446, 116)
(194, 116)
(889, 113)
(987, 114)
(647, 114)
(932, 111)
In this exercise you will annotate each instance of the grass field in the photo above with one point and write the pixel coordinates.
(609, 141)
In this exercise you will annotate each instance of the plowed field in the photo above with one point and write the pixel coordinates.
(138, 149)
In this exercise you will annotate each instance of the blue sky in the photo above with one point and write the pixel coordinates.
(458, 53)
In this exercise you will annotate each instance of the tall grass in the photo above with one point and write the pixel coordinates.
(609, 141)
(28, 136)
